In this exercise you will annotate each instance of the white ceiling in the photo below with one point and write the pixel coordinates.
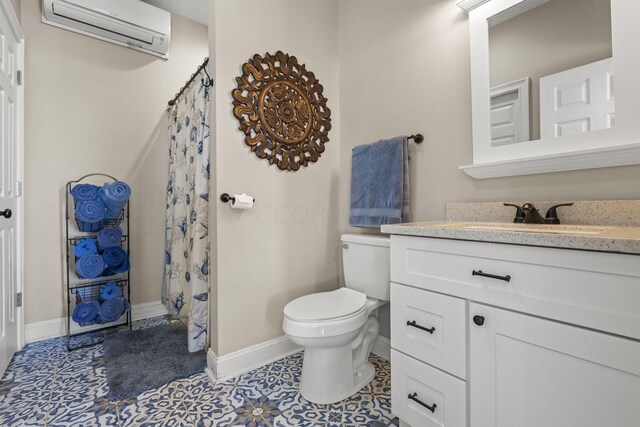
(196, 10)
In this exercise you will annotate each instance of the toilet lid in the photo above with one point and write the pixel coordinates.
(326, 305)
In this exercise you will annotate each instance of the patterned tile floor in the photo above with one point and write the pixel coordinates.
(47, 386)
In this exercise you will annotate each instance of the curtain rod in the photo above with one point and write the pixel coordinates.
(202, 66)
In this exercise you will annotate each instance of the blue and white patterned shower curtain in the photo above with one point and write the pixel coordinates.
(187, 239)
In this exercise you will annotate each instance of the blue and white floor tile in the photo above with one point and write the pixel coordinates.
(47, 386)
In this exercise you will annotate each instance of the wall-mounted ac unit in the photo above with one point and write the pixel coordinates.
(130, 23)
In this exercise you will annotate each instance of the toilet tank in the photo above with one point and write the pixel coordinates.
(365, 262)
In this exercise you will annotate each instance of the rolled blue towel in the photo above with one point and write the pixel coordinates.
(114, 212)
(84, 193)
(85, 247)
(90, 266)
(116, 259)
(112, 309)
(109, 237)
(110, 291)
(114, 197)
(109, 214)
(90, 212)
(86, 312)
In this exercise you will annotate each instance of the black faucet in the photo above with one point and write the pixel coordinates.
(552, 214)
(529, 214)
(519, 213)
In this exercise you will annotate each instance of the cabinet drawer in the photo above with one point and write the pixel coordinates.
(593, 289)
(443, 393)
(430, 327)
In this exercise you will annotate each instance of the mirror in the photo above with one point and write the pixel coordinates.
(563, 77)
(551, 70)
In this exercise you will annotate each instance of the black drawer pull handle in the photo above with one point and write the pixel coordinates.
(415, 325)
(506, 278)
(413, 397)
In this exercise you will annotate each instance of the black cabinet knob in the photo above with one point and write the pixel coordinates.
(478, 320)
(6, 213)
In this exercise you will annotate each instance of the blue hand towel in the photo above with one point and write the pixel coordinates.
(112, 309)
(116, 259)
(90, 212)
(84, 193)
(90, 266)
(110, 291)
(114, 197)
(109, 237)
(380, 183)
(86, 312)
(85, 247)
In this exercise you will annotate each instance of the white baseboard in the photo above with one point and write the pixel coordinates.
(54, 328)
(231, 365)
(212, 365)
(382, 347)
(245, 360)
(147, 310)
(38, 331)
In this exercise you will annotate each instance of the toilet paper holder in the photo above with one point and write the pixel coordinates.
(226, 198)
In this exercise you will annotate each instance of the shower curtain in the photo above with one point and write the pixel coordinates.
(186, 281)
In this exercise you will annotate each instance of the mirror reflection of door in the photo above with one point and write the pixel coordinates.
(577, 100)
(510, 113)
(564, 47)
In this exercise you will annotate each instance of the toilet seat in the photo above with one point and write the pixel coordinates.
(323, 306)
(325, 314)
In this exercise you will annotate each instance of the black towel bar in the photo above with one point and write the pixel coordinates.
(418, 138)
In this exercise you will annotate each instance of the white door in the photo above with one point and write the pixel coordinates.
(530, 372)
(10, 170)
(578, 100)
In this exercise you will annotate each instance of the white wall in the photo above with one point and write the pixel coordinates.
(288, 245)
(15, 4)
(95, 106)
(405, 68)
(191, 9)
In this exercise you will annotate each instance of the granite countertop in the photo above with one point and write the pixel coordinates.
(606, 238)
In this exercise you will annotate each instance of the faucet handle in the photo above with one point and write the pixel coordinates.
(519, 213)
(552, 214)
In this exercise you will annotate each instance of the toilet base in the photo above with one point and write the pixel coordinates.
(328, 375)
(336, 367)
(364, 376)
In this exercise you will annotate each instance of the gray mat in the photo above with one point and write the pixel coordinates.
(144, 359)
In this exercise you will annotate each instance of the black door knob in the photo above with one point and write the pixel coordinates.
(478, 320)
(6, 213)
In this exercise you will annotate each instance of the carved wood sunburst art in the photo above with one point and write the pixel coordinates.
(281, 110)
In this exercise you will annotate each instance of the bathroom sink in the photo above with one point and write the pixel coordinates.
(580, 230)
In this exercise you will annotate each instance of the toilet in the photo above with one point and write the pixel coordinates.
(338, 328)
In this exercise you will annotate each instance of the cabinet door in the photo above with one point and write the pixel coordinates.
(526, 371)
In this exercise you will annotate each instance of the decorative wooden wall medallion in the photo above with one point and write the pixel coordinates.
(281, 110)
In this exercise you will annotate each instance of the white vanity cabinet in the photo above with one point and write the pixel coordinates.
(535, 337)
